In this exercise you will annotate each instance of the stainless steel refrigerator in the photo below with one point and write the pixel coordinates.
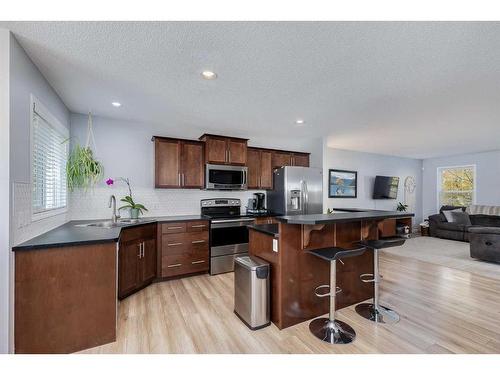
(297, 191)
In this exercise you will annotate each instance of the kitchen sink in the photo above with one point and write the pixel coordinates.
(110, 224)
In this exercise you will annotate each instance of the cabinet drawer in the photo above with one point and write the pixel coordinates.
(198, 241)
(173, 228)
(178, 243)
(176, 265)
(197, 226)
(173, 265)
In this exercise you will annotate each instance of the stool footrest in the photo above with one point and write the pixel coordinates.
(364, 277)
(328, 294)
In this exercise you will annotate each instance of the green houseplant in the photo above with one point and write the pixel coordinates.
(402, 207)
(82, 169)
(135, 208)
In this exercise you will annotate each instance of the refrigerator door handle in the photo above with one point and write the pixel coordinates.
(306, 196)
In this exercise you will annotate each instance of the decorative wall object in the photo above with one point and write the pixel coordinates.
(342, 184)
(409, 193)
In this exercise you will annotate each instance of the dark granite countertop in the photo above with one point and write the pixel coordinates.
(74, 233)
(342, 217)
(270, 229)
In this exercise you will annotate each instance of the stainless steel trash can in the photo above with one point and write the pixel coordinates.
(251, 291)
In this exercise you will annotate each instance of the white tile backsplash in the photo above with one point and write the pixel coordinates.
(160, 202)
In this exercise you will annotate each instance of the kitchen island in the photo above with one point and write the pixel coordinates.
(295, 273)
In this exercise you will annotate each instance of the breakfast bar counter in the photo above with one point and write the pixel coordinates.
(295, 273)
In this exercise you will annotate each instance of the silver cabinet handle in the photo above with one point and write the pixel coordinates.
(229, 155)
(143, 249)
(174, 244)
(140, 251)
(170, 228)
(183, 179)
(198, 226)
(179, 179)
(198, 262)
(174, 265)
(198, 241)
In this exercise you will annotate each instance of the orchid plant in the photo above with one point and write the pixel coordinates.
(130, 204)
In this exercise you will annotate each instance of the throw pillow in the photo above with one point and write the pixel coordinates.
(448, 214)
(461, 218)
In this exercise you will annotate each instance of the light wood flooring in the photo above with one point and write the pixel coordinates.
(443, 310)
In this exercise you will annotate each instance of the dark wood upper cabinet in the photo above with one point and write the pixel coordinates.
(281, 159)
(167, 163)
(179, 163)
(192, 164)
(300, 160)
(260, 172)
(224, 150)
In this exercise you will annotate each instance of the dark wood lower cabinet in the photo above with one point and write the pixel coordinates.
(136, 259)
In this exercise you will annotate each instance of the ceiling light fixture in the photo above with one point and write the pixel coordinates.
(299, 122)
(116, 104)
(208, 74)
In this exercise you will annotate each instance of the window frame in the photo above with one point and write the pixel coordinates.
(42, 111)
(439, 182)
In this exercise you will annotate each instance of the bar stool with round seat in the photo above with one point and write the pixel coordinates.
(374, 311)
(330, 329)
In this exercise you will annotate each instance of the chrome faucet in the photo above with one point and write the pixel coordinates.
(112, 202)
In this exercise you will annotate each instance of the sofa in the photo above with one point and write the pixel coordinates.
(479, 215)
(485, 243)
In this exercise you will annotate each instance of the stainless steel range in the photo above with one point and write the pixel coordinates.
(228, 232)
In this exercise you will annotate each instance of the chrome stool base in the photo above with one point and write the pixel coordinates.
(333, 332)
(380, 315)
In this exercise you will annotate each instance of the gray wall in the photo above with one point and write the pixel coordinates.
(126, 149)
(24, 79)
(5, 253)
(368, 166)
(487, 178)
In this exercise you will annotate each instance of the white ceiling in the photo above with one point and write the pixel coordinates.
(414, 89)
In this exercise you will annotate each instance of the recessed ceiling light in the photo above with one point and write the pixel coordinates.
(208, 74)
(299, 122)
(116, 104)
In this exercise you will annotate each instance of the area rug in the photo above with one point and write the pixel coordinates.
(453, 254)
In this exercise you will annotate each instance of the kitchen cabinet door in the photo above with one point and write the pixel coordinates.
(192, 165)
(216, 150)
(129, 268)
(254, 168)
(167, 163)
(148, 260)
(266, 170)
(281, 159)
(237, 152)
(301, 160)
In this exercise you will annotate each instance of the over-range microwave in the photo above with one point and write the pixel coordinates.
(225, 177)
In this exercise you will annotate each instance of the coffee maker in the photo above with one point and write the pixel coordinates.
(256, 205)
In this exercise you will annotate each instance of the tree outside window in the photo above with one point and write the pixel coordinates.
(456, 185)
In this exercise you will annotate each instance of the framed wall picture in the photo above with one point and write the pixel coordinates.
(342, 184)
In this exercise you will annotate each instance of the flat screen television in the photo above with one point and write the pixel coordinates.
(385, 187)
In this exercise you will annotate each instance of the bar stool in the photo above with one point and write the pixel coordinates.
(330, 329)
(374, 311)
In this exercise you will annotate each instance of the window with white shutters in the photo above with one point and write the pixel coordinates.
(49, 155)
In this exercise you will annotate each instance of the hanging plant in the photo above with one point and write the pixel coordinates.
(82, 169)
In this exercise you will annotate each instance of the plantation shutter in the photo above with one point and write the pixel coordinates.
(49, 155)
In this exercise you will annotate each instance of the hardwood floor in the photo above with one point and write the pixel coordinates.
(442, 310)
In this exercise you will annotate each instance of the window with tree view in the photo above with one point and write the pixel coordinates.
(456, 185)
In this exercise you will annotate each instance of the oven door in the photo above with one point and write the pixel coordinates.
(228, 239)
(225, 177)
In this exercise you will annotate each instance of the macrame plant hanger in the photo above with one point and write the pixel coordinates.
(90, 134)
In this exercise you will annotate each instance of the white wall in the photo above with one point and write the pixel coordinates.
(26, 79)
(487, 178)
(5, 253)
(126, 150)
(368, 166)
